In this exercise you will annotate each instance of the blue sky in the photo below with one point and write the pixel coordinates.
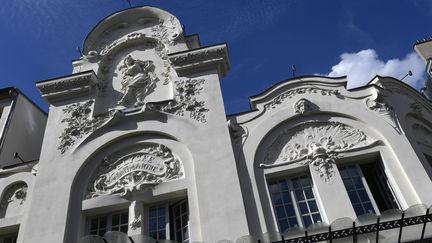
(265, 37)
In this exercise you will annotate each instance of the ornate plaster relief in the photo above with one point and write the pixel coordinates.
(185, 100)
(239, 133)
(303, 106)
(80, 123)
(122, 174)
(138, 81)
(422, 135)
(14, 195)
(416, 107)
(377, 104)
(303, 90)
(316, 143)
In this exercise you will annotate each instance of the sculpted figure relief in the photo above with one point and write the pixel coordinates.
(139, 81)
(303, 105)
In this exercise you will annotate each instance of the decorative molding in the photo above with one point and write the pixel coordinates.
(136, 223)
(185, 100)
(139, 80)
(422, 135)
(316, 143)
(17, 192)
(238, 133)
(191, 60)
(80, 123)
(65, 83)
(167, 31)
(303, 106)
(148, 42)
(65, 87)
(385, 111)
(417, 108)
(303, 90)
(197, 56)
(150, 166)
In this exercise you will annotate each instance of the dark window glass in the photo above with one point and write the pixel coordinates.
(287, 215)
(157, 222)
(377, 182)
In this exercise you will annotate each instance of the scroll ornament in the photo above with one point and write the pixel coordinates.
(316, 143)
(17, 192)
(377, 104)
(150, 166)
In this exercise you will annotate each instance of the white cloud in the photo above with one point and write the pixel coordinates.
(362, 66)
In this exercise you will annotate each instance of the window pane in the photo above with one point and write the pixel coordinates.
(309, 193)
(283, 185)
(307, 221)
(181, 224)
(124, 228)
(289, 209)
(363, 195)
(102, 222)
(293, 222)
(356, 190)
(358, 209)
(157, 222)
(348, 184)
(124, 218)
(299, 195)
(303, 208)
(283, 225)
(305, 181)
(316, 218)
(304, 199)
(286, 197)
(274, 187)
(313, 206)
(277, 198)
(94, 224)
(353, 197)
(379, 185)
(296, 183)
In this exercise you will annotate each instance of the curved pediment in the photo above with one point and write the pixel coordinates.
(152, 22)
(300, 85)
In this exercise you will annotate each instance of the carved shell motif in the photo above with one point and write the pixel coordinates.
(316, 143)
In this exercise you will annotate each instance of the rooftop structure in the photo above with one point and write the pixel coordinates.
(137, 147)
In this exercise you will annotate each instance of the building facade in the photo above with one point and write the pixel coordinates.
(137, 141)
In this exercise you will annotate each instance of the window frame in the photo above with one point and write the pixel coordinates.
(170, 227)
(147, 208)
(294, 199)
(366, 185)
(109, 221)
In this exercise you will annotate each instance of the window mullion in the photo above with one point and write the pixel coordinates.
(167, 223)
(295, 203)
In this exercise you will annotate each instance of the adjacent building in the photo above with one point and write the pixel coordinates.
(137, 144)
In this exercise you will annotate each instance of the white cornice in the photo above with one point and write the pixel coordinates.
(64, 88)
(195, 60)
